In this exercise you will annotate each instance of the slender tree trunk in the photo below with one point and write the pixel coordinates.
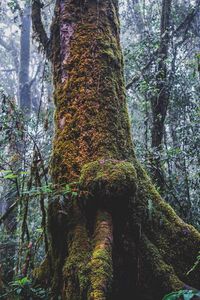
(117, 239)
(24, 84)
(159, 102)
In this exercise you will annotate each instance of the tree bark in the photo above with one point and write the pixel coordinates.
(159, 102)
(24, 80)
(117, 239)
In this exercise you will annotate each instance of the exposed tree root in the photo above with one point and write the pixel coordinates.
(101, 261)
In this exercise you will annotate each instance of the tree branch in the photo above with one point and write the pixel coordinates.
(38, 27)
(7, 70)
(9, 210)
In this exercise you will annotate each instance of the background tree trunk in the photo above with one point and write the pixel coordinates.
(24, 80)
(159, 102)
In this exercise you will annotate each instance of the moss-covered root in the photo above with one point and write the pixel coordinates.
(177, 242)
(161, 274)
(101, 261)
(41, 274)
(75, 271)
(109, 183)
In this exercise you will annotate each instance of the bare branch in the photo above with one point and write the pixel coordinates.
(8, 212)
(7, 70)
(38, 27)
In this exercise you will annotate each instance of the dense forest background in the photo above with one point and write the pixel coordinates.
(161, 46)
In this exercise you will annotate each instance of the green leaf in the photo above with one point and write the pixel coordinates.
(23, 173)
(24, 281)
(171, 296)
(10, 176)
(74, 194)
(186, 294)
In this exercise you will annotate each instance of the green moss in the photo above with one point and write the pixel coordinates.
(156, 276)
(76, 270)
(101, 275)
(162, 272)
(101, 265)
(178, 242)
(108, 179)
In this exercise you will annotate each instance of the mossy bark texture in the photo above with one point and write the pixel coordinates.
(117, 239)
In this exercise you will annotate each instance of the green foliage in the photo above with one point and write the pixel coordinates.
(197, 262)
(22, 289)
(70, 189)
(8, 174)
(36, 191)
(185, 294)
(13, 5)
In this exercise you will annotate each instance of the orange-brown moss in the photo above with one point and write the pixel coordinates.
(91, 114)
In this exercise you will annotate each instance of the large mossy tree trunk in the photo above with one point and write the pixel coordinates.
(117, 239)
